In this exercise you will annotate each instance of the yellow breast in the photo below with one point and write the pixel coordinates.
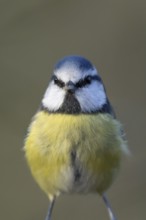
(96, 141)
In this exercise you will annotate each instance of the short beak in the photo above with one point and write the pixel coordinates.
(70, 87)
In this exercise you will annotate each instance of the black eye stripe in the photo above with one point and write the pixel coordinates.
(81, 83)
(87, 80)
(58, 82)
(96, 78)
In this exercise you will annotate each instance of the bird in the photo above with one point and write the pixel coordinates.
(74, 143)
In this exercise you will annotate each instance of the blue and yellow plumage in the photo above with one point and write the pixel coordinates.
(74, 143)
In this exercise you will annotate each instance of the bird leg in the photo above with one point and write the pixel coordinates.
(50, 209)
(108, 206)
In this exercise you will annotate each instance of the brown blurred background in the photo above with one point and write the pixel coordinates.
(34, 34)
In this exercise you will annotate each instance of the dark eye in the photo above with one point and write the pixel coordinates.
(86, 81)
(58, 82)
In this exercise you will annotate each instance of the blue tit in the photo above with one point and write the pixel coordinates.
(74, 142)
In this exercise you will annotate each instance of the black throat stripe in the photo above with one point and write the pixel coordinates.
(72, 106)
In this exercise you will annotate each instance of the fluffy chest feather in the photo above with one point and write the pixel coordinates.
(78, 153)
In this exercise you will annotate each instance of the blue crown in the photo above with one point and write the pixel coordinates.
(77, 61)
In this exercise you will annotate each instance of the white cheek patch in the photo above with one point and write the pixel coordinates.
(53, 98)
(92, 97)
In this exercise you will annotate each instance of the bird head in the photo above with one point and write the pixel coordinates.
(75, 87)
